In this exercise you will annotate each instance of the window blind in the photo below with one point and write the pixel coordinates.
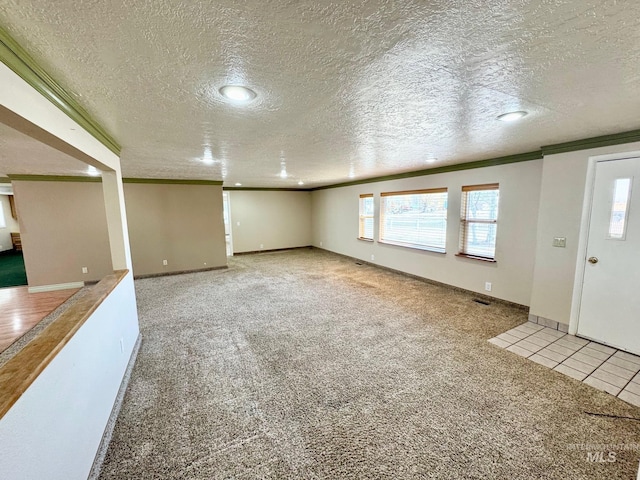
(479, 220)
(415, 218)
(365, 228)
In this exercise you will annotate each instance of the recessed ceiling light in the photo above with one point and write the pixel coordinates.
(300, 182)
(238, 184)
(512, 116)
(237, 93)
(93, 171)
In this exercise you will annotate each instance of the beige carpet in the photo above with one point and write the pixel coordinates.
(305, 365)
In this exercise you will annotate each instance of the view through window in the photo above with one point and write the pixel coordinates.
(416, 219)
(479, 220)
(366, 217)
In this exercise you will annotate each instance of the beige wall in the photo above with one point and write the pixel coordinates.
(182, 224)
(12, 225)
(268, 220)
(335, 225)
(563, 186)
(63, 228)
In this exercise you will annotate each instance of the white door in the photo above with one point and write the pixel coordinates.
(610, 302)
(226, 209)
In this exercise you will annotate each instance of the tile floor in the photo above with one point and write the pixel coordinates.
(602, 367)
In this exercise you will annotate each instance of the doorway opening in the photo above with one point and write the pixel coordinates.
(226, 208)
(12, 269)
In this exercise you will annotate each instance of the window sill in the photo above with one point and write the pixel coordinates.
(474, 257)
(365, 239)
(414, 247)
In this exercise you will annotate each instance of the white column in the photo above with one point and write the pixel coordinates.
(116, 219)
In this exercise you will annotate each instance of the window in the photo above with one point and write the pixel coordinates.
(416, 219)
(479, 221)
(365, 229)
(619, 207)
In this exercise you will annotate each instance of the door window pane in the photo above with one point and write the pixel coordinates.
(620, 204)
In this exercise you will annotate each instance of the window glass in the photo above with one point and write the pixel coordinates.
(479, 220)
(365, 228)
(416, 219)
(620, 204)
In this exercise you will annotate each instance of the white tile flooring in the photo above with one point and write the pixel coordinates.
(602, 367)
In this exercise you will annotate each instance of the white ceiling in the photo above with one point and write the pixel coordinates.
(365, 88)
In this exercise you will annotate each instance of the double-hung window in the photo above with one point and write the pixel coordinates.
(479, 221)
(416, 219)
(365, 228)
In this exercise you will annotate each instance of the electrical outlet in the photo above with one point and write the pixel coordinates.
(487, 286)
(238, 224)
(85, 270)
(373, 257)
(320, 243)
(261, 246)
(165, 263)
(205, 264)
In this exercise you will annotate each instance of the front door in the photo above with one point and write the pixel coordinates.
(610, 303)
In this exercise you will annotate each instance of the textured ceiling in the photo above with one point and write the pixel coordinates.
(361, 88)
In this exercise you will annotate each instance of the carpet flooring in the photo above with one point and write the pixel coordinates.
(304, 365)
(12, 270)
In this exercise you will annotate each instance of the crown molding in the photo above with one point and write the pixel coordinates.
(266, 189)
(54, 178)
(492, 162)
(593, 142)
(170, 181)
(22, 64)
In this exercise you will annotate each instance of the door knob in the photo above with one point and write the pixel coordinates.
(593, 260)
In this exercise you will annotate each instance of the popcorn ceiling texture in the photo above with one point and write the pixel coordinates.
(303, 364)
(379, 85)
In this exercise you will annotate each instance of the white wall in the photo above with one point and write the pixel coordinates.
(54, 429)
(561, 203)
(335, 224)
(11, 225)
(273, 219)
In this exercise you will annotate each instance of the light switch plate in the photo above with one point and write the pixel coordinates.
(560, 242)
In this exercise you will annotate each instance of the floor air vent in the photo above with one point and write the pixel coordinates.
(482, 302)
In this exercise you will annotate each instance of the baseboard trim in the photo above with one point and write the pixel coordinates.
(113, 417)
(481, 296)
(54, 287)
(178, 272)
(253, 252)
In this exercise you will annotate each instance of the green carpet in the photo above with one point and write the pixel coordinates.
(12, 272)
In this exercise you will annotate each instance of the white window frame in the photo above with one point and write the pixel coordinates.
(428, 245)
(466, 221)
(363, 216)
(3, 221)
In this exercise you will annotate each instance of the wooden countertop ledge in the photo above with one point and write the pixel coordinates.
(20, 372)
